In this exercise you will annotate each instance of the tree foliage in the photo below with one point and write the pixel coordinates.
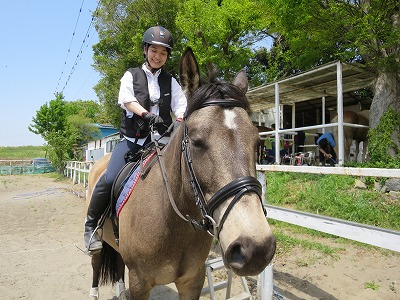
(383, 140)
(224, 35)
(120, 25)
(321, 31)
(66, 126)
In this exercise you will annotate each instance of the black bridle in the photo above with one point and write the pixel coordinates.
(236, 188)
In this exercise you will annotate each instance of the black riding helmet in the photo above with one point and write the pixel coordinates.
(157, 35)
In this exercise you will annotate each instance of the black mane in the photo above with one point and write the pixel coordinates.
(217, 91)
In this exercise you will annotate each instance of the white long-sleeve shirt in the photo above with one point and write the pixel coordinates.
(127, 94)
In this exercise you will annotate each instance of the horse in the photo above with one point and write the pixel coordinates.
(353, 133)
(203, 188)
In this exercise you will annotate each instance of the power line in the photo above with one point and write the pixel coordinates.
(84, 45)
(69, 48)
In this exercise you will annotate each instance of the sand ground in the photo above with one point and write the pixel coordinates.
(41, 227)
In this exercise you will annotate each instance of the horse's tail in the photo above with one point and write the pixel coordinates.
(109, 268)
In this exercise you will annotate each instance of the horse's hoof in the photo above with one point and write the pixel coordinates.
(125, 295)
(94, 293)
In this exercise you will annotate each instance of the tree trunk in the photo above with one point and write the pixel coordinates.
(386, 95)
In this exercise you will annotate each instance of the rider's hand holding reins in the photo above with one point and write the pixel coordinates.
(153, 119)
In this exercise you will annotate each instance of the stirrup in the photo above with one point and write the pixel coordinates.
(92, 252)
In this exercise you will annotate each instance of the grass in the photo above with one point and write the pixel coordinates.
(22, 152)
(329, 195)
(371, 285)
(334, 196)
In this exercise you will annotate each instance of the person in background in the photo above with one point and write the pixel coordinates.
(327, 149)
(147, 96)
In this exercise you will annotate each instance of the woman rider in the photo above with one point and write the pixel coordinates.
(147, 96)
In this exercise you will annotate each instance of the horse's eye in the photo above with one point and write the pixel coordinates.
(199, 143)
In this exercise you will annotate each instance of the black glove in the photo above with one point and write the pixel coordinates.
(153, 119)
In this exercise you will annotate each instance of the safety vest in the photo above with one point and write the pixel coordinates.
(136, 127)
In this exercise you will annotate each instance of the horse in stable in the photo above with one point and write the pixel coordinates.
(353, 133)
(357, 134)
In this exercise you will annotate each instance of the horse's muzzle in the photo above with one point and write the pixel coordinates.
(247, 258)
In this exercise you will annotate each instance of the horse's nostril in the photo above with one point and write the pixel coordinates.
(245, 257)
(237, 258)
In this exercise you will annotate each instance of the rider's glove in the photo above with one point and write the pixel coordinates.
(153, 119)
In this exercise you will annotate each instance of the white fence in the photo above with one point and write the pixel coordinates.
(78, 171)
(376, 236)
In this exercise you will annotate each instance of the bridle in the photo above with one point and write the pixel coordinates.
(236, 188)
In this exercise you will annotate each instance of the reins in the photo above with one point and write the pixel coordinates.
(237, 188)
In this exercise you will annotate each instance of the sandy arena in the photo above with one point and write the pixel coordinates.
(41, 227)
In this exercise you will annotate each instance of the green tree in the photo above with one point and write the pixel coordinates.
(365, 31)
(221, 33)
(120, 26)
(65, 126)
(49, 118)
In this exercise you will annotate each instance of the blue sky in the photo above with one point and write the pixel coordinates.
(34, 40)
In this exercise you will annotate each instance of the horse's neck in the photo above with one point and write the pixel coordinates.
(172, 157)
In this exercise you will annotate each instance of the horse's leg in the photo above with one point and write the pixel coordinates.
(191, 289)
(120, 284)
(97, 261)
(138, 289)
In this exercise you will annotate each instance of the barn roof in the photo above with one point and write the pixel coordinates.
(306, 89)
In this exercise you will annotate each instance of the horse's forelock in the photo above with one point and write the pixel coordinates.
(216, 90)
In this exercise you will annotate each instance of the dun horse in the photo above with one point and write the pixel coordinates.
(204, 183)
(352, 133)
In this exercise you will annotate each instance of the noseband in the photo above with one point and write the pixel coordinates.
(236, 188)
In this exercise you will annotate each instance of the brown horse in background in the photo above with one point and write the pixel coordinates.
(203, 185)
(353, 133)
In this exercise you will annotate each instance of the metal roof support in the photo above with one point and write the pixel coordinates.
(323, 114)
(293, 124)
(340, 142)
(277, 122)
(260, 117)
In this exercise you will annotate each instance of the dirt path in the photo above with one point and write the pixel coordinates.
(42, 222)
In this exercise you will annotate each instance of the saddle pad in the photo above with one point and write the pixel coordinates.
(129, 186)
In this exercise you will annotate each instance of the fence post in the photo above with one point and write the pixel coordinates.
(265, 284)
(265, 281)
(84, 174)
(80, 173)
(74, 174)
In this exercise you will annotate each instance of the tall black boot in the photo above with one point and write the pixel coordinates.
(98, 203)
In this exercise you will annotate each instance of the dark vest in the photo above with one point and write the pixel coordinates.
(136, 127)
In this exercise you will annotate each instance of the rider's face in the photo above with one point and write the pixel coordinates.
(157, 56)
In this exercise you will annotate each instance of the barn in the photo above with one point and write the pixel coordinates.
(307, 101)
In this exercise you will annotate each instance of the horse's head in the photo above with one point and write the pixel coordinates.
(219, 144)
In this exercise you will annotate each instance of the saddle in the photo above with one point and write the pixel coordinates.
(121, 182)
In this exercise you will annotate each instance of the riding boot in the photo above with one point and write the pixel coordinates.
(98, 203)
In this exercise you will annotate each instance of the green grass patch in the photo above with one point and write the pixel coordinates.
(371, 285)
(23, 152)
(333, 196)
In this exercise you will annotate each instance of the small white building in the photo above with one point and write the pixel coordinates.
(106, 142)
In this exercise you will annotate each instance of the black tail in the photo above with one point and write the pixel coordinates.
(110, 268)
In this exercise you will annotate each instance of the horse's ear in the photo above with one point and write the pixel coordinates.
(241, 81)
(189, 73)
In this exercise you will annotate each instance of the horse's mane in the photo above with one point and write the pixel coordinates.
(216, 90)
